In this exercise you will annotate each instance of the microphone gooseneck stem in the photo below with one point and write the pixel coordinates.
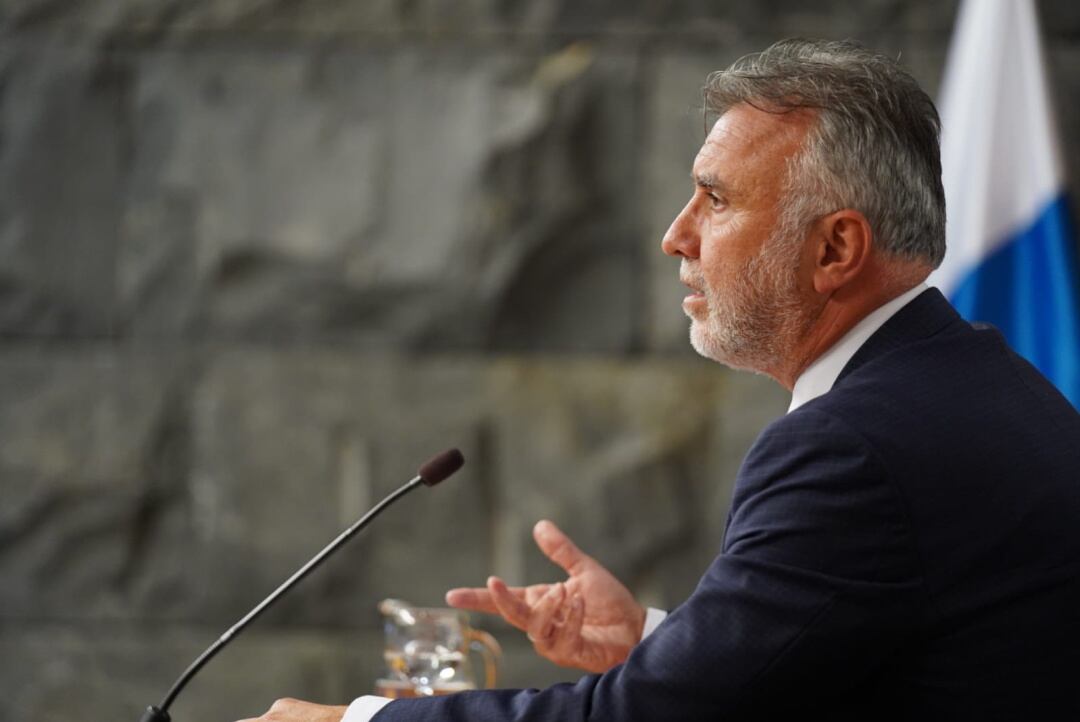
(160, 713)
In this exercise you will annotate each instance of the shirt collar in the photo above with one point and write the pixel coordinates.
(819, 376)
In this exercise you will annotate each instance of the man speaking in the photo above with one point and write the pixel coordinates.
(904, 544)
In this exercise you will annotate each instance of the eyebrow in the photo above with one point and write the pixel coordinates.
(708, 180)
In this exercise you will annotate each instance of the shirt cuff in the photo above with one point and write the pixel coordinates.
(653, 617)
(364, 708)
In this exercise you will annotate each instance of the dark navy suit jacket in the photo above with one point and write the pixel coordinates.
(905, 547)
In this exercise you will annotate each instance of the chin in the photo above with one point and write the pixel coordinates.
(709, 346)
(705, 343)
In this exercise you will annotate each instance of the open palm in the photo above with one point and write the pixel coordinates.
(590, 621)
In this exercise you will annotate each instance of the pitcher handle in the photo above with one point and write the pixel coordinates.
(490, 652)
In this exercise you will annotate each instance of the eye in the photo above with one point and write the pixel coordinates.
(716, 202)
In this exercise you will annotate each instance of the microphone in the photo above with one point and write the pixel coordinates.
(431, 473)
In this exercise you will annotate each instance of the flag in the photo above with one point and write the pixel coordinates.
(1011, 258)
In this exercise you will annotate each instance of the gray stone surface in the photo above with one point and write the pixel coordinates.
(284, 195)
(60, 183)
(277, 474)
(93, 449)
(260, 258)
(650, 19)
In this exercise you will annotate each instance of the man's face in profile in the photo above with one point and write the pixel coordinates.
(738, 258)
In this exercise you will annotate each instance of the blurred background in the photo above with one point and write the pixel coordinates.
(259, 259)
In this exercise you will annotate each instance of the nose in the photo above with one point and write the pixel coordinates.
(682, 237)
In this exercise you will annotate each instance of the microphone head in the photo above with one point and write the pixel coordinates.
(441, 466)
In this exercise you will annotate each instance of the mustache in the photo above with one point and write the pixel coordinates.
(691, 277)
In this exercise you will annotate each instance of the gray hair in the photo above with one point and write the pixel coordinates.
(873, 148)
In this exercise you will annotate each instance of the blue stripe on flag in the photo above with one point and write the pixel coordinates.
(1028, 289)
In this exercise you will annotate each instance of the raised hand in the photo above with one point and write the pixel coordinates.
(590, 621)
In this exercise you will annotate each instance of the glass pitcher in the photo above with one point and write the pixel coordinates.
(427, 651)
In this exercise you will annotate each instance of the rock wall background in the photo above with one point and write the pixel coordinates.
(260, 258)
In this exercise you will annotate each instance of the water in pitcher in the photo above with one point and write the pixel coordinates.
(430, 671)
(427, 651)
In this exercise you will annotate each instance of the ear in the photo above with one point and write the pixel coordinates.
(844, 243)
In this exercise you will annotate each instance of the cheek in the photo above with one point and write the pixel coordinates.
(725, 247)
(718, 278)
(804, 270)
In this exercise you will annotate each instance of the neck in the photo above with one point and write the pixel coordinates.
(837, 314)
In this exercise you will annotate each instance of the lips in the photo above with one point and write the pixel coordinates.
(689, 284)
(694, 304)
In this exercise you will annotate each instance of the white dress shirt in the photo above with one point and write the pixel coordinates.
(819, 376)
(816, 380)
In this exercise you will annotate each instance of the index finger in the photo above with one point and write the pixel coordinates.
(475, 598)
(558, 547)
(479, 598)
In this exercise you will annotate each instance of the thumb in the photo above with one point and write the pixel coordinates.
(559, 548)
